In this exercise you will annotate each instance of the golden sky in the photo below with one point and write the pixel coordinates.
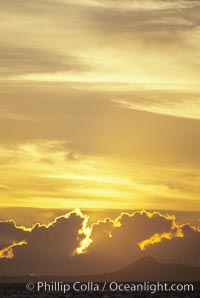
(99, 104)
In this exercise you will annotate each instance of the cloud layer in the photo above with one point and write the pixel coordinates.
(50, 173)
(107, 245)
(104, 41)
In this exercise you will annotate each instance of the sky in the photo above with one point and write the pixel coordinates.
(99, 134)
(99, 104)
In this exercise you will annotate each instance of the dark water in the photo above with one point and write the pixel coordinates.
(19, 291)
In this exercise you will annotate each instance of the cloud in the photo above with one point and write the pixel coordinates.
(10, 233)
(35, 155)
(112, 37)
(70, 246)
(134, 18)
(7, 252)
(3, 187)
(73, 156)
(182, 250)
(46, 247)
(22, 60)
(40, 173)
(175, 104)
(133, 5)
(116, 242)
(131, 236)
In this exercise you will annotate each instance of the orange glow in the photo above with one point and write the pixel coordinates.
(156, 238)
(7, 252)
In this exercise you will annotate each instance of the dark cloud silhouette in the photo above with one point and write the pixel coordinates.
(183, 250)
(116, 243)
(9, 233)
(49, 248)
(52, 249)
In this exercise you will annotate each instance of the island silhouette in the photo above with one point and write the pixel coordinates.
(144, 269)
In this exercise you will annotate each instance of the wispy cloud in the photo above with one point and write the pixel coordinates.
(177, 105)
(40, 174)
(106, 43)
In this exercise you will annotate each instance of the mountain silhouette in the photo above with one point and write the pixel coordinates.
(148, 269)
(145, 269)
